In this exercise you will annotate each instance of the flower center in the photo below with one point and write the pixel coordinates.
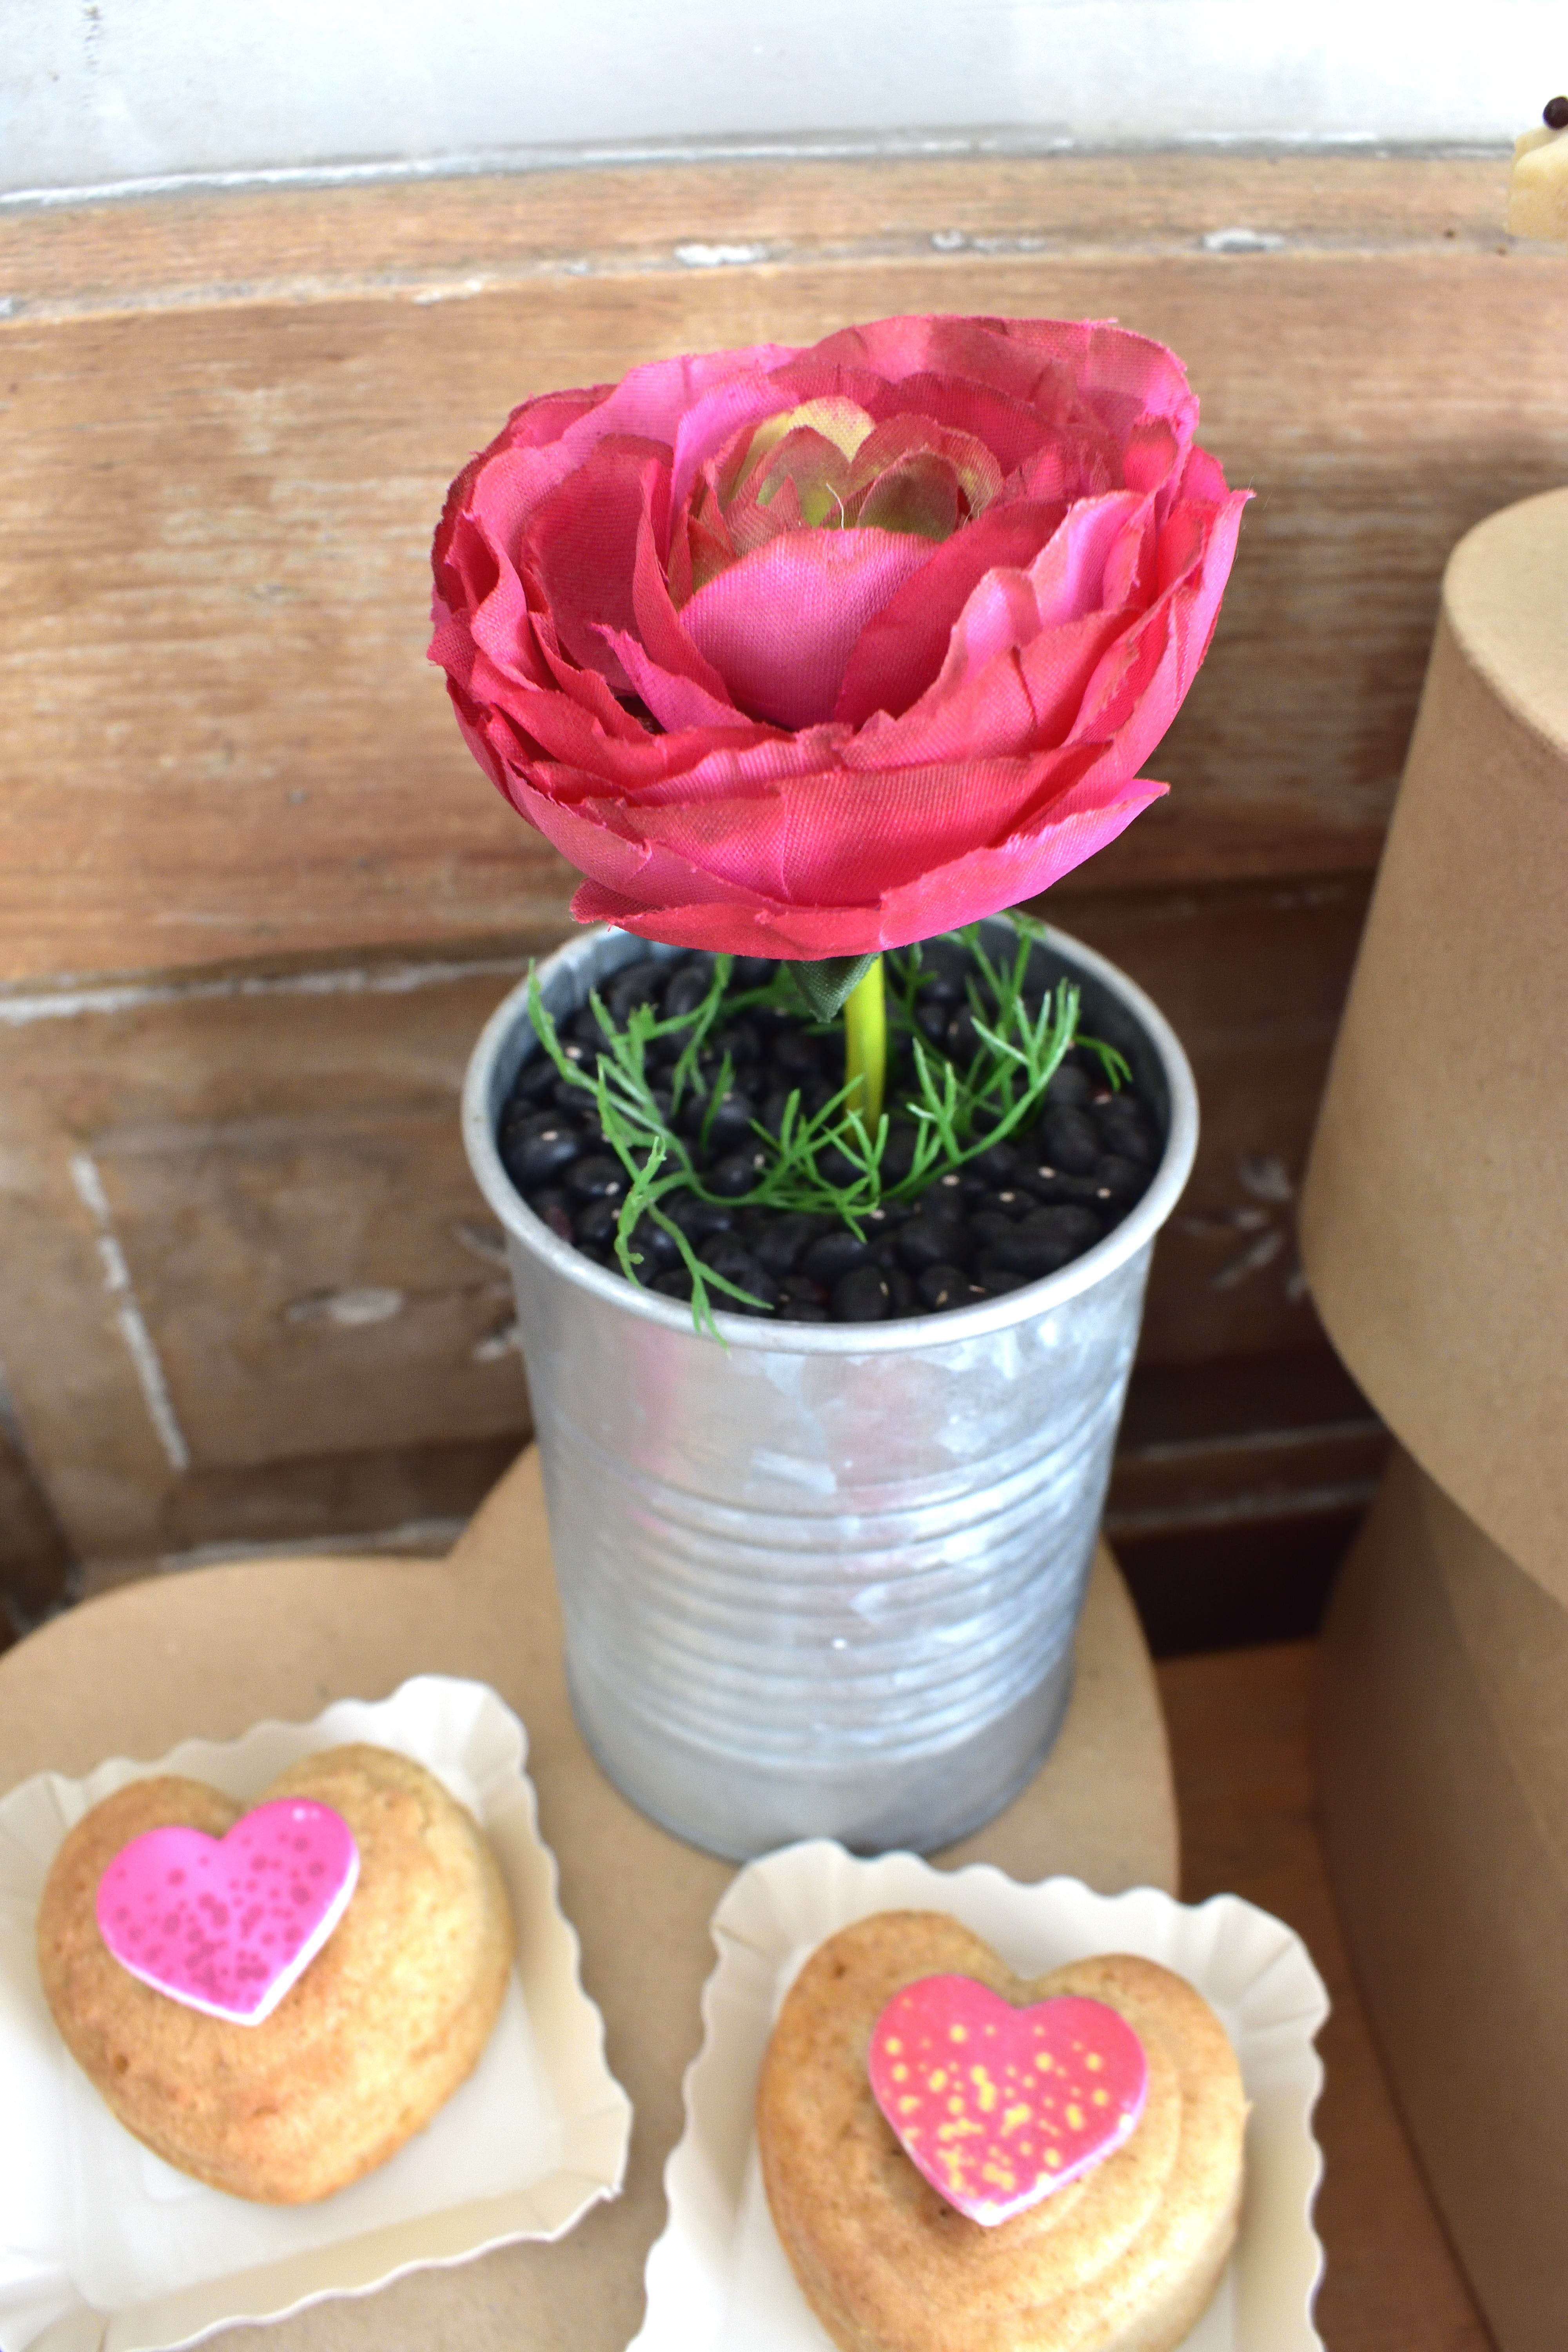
(827, 465)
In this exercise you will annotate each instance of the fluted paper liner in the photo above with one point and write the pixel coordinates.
(717, 2280)
(1443, 1779)
(105, 2248)
(1434, 1214)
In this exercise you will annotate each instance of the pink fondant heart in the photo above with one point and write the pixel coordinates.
(226, 1924)
(998, 2105)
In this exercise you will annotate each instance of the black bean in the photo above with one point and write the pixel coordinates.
(635, 983)
(1130, 1142)
(1031, 1255)
(898, 1153)
(550, 1205)
(1120, 1180)
(658, 1250)
(687, 990)
(1000, 1163)
(958, 1037)
(731, 1125)
(996, 1281)
(795, 1290)
(1068, 1141)
(779, 1243)
(737, 1172)
(753, 972)
(675, 1284)
(832, 1256)
(596, 1178)
(862, 1296)
(884, 1250)
(931, 1017)
(901, 1299)
(597, 1223)
(727, 1254)
(795, 1055)
(1069, 1088)
(534, 1158)
(585, 1029)
(1050, 1185)
(1013, 1202)
(739, 1041)
(944, 1286)
(1077, 1229)
(931, 1241)
(836, 1167)
(697, 1219)
(535, 1082)
(990, 1227)
(801, 1310)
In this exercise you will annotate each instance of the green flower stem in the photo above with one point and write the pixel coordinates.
(865, 1045)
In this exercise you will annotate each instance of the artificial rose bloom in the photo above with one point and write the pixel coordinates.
(813, 652)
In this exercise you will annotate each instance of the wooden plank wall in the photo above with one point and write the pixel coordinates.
(255, 899)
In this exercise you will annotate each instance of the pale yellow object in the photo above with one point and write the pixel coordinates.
(1538, 185)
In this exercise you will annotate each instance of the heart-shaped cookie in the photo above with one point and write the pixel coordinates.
(227, 1925)
(1125, 2258)
(999, 2107)
(378, 2028)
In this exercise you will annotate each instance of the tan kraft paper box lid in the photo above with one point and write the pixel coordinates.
(1435, 1213)
(1442, 1768)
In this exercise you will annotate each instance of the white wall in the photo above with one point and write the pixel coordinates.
(98, 92)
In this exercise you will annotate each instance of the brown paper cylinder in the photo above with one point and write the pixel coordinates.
(1442, 1754)
(1435, 1213)
(212, 1651)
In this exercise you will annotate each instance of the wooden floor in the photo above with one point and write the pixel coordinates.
(1239, 1736)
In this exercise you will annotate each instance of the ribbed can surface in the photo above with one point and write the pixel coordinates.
(824, 1580)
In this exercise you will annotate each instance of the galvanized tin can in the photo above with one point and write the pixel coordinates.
(823, 1579)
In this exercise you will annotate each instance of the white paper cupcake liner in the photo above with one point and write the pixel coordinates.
(104, 2248)
(717, 2278)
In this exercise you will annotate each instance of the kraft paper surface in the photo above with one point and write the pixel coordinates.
(213, 1650)
(1435, 1213)
(1443, 1785)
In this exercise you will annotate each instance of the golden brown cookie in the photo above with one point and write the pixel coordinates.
(387, 2019)
(1124, 2259)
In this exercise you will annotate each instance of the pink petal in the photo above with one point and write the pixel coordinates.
(1025, 698)
(676, 700)
(1069, 576)
(742, 400)
(582, 540)
(650, 403)
(781, 624)
(904, 647)
(965, 889)
(658, 625)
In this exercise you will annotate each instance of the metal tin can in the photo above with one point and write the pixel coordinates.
(823, 1579)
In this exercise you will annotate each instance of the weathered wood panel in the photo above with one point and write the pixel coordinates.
(240, 1236)
(247, 1271)
(229, 423)
(35, 1560)
(244, 1293)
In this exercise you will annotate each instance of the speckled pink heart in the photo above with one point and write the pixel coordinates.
(227, 1925)
(999, 2107)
